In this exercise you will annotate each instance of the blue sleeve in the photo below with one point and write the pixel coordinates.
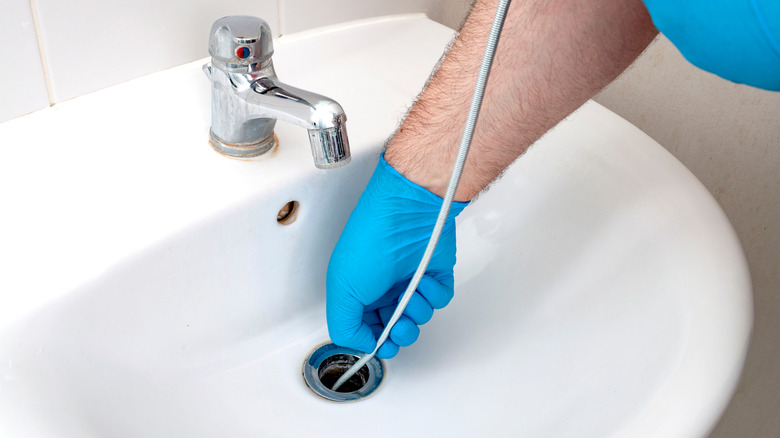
(736, 39)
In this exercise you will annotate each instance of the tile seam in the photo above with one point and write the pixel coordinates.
(42, 53)
(280, 16)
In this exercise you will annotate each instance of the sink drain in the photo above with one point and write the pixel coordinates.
(329, 361)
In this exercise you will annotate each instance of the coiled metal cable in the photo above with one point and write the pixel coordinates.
(468, 133)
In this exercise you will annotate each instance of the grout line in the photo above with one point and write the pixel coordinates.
(280, 16)
(42, 53)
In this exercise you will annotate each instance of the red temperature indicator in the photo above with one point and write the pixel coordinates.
(242, 52)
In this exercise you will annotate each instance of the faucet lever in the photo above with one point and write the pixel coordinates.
(247, 98)
(241, 40)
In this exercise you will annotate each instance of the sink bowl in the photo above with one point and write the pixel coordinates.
(150, 289)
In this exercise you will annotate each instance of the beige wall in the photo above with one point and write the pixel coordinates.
(728, 135)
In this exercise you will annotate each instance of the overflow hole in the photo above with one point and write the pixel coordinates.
(288, 213)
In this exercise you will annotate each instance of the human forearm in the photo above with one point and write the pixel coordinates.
(553, 55)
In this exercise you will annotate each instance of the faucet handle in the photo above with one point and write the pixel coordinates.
(240, 40)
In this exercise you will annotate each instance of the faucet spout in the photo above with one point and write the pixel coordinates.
(300, 107)
(323, 117)
(247, 98)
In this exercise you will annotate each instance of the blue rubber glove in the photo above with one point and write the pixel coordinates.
(736, 39)
(375, 258)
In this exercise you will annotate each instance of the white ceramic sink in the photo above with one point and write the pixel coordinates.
(147, 289)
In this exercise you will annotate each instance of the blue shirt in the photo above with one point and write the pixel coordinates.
(736, 39)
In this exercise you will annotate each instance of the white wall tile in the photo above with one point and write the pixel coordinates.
(22, 85)
(299, 15)
(92, 44)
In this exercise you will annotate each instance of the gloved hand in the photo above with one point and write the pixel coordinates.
(375, 258)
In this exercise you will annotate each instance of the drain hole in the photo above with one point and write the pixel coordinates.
(329, 361)
(287, 214)
(333, 367)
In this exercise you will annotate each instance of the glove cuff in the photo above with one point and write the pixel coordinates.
(385, 174)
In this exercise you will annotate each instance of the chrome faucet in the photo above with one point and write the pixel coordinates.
(247, 98)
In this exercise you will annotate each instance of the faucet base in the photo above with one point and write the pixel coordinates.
(243, 150)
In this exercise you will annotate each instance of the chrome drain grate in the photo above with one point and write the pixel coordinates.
(329, 361)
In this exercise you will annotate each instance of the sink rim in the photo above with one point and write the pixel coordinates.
(295, 166)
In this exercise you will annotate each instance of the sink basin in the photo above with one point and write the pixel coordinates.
(148, 289)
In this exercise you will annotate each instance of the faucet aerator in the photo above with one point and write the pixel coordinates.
(330, 147)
